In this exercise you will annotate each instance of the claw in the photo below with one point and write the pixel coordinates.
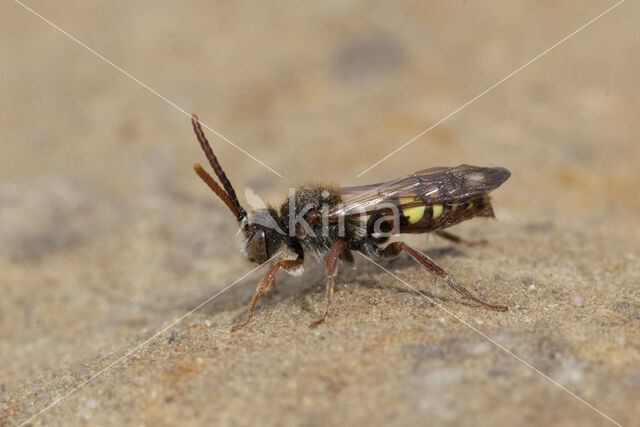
(239, 326)
(319, 322)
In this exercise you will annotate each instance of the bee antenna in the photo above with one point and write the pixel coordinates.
(229, 196)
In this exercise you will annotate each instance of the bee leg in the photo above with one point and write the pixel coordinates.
(395, 248)
(271, 290)
(339, 249)
(457, 239)
(264, 284)
(347, 256)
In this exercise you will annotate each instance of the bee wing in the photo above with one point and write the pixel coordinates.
(427, 187)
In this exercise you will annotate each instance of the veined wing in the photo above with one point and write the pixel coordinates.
(427, 187)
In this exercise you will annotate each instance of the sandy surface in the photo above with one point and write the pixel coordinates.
(107, 236)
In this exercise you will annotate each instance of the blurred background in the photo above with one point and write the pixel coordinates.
(106, 234)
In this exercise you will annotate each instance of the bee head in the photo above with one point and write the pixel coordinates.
(256, 246)
(261, 234)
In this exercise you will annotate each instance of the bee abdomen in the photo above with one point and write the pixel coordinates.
(422, 219)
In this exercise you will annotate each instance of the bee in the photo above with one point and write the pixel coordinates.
(328, 222)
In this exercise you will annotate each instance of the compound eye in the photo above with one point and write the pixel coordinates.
(257, 250)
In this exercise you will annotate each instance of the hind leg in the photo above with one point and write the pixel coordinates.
(460, 240)
(395, 248)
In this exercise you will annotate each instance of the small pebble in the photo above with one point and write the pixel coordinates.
(575, 299)
(174, 334)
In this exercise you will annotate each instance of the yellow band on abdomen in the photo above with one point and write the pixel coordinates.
(414, 214)
(437, 210)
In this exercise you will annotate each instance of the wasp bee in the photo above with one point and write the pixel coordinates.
(330, 222)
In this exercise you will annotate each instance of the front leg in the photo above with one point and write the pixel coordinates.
(271, 290)
(339, 249)
(395, 248)
(264, 284)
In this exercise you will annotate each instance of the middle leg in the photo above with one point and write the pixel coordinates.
(339, 249)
